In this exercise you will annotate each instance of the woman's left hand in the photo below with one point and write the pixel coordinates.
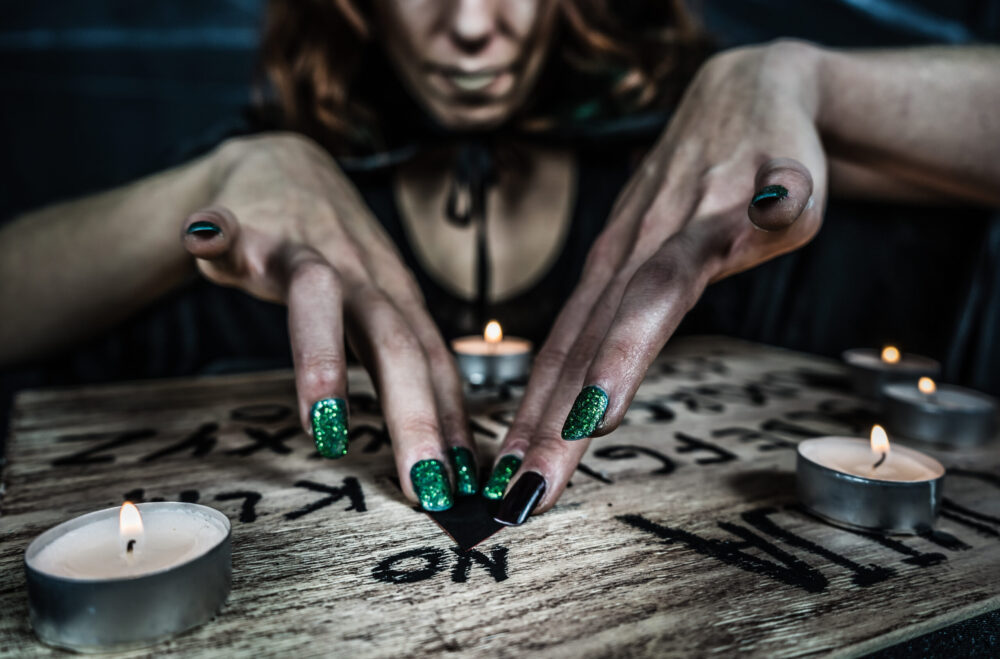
(739, 177)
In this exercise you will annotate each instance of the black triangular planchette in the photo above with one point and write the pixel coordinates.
(468, 522)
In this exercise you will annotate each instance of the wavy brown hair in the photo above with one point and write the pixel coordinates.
(634, 55)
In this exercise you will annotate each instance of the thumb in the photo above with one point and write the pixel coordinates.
(784, 188)
(212, 234)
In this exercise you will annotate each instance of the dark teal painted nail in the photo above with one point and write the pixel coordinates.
(465, 470)
(430, 482)
(502, 473)
(329, 424)
(587, 412)
(203, 229)
(775, 192)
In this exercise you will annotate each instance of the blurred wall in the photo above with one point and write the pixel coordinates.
(97, 92)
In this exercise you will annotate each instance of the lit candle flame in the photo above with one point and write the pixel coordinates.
(926, 386)
(493, 332)
(880, 444)
(129, 526)
(890, 354)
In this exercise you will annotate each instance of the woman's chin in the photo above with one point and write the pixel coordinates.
(471, 117)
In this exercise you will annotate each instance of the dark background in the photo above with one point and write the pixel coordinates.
(98, 92)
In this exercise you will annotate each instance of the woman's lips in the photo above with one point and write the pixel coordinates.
(472, 82)
(492, 84)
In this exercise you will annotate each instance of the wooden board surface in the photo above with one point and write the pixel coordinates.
(680, 533)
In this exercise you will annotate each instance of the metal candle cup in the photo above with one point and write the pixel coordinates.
(834, 483)
(80, 602)
(870, 372)
(492, 359)
(951, 415)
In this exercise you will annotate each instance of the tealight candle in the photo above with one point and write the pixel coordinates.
(943, 414)
(123, 578)
(872, 370)
(862, 484)
(492, 358)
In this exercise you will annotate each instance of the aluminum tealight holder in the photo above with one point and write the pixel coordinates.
(106, 614)
(869, 373)
(951, 416)
(869, 504)
(489, 370)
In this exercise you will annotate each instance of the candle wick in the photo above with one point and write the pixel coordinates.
(880, 461)
(130, 547)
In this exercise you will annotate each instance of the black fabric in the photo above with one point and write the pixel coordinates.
(600, 176)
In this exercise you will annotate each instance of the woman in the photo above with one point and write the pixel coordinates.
(740, 175)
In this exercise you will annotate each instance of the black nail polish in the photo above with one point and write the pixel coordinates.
(522, 499)
(769, 193)
(203, 229)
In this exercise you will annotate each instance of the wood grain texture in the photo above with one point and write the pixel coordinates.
(680, 534)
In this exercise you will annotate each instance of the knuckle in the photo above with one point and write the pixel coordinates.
(548, 457)
(442, 362)
(321, 372)
(551, 358)
(288, 140)
(421, 431)
(376, 306)
(400, 339)
(619, 353)
(787, 49)
(656, 274)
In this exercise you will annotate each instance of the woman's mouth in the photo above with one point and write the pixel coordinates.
(472, 82)
(481, 85)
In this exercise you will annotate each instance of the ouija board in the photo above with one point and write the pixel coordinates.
(679, 535)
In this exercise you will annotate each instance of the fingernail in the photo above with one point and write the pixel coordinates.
(430, 482)
(774, 192)
(203, 229)
(329, 425)
(465, 470)
(587, 412)
(522, 499)
(502, 473)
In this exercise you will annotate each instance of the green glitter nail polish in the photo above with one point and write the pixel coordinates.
(775, 192)
(587, 412)
(465, 470)
(504, 471)
(430, 482)
(329, 424)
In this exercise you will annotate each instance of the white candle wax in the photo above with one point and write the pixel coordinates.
(173, 534)
(854, 456)
(477, 345)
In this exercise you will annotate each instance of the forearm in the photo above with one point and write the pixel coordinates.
(71, 269)
(923, 118)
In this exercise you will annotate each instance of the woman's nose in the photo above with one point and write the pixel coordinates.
(473, 24)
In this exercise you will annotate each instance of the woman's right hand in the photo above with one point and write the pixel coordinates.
(286, 225)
